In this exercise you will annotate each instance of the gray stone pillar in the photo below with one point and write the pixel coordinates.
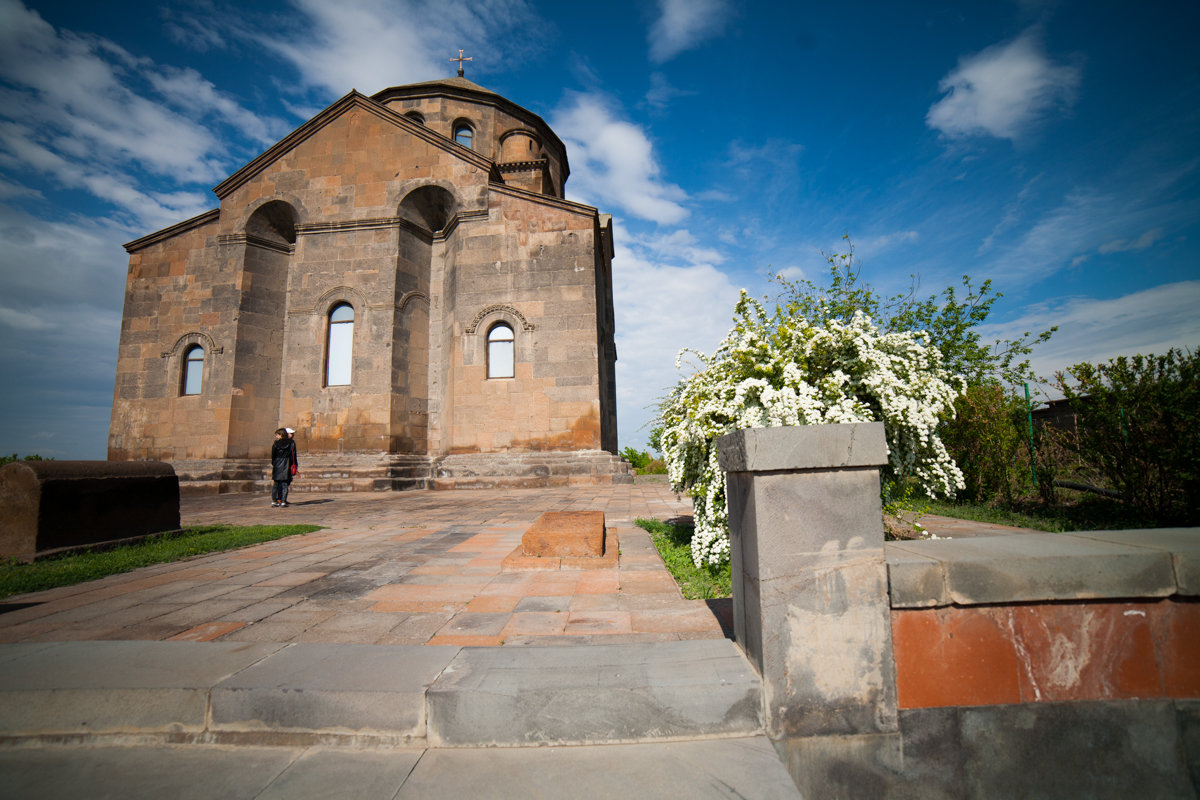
(810, 585)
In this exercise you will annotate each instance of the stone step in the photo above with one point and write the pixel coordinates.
(354, 695)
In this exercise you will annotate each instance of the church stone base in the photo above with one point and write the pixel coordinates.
(376, 472)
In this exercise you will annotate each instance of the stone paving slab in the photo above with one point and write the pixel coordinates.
(102, 687)
(350, 689)
(388, 568)
(745, 767)
(604, 693)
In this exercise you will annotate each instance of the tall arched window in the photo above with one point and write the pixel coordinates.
(193, 370)
(500, 351)
(463, 134)
(340, 346)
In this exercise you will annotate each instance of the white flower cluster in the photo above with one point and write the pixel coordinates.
(783, 370)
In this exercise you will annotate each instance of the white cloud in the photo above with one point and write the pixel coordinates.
(1144, 241)
(1089, 329)
(373, 44)
(683, 24)
(92, 116)
(660, 310)
(613, 162)
(1002, 90)
(24, 320)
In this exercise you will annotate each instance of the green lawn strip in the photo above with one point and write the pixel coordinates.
(69, 569)
(1086, 514)
(674, 545)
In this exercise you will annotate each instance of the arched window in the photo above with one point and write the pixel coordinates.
(416, 116)
(500, 351)
(463, 134)
(193, 370)
(340, 346)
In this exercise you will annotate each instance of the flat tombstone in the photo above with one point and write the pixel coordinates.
(47, 506)
(565, 533)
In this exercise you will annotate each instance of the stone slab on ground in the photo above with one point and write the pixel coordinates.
(600, 693)
(99, 687)
(347, 689)
(743, 767)
(565, 533)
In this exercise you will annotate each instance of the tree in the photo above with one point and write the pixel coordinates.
(948, 322)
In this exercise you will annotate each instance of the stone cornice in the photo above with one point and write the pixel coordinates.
(543, 199)
(174, 230)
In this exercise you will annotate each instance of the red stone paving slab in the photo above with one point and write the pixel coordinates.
(581, 623)
(208, 631)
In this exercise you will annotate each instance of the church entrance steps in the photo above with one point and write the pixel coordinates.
(531, 470)
(253, 693)
(374, 472)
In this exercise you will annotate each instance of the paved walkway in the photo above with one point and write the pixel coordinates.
(390, 568)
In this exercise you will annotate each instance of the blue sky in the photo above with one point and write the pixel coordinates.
(1051, 147)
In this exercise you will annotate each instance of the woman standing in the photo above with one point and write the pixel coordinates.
(283, 466)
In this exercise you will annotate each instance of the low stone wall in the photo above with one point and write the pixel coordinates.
(1035, 618)
(1012, 666)
(49, 506)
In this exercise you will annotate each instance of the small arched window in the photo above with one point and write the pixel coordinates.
(340, 348)
(193, 370)
(416, 116)
(463, 134)
(500, 359)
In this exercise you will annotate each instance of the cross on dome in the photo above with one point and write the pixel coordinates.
(460, 61)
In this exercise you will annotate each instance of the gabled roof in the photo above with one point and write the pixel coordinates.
(353, 100)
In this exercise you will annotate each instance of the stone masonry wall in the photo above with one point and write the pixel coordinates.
(531, 265)
(178, 291)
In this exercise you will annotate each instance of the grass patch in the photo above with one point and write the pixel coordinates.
(1086, 513)
(72, 568)
(674, 543)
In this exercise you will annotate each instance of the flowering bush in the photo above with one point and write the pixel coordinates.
(782, 369)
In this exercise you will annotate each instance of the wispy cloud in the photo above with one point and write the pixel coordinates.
(1142, 242)
(89, 114)
(648, 295)
(1003, 90)
(1090, 329)
(373, 44)
(613, 161)
(683, 24)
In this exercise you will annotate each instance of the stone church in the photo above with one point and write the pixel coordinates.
(401, 281)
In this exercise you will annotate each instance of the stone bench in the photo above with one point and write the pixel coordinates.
(51, 506)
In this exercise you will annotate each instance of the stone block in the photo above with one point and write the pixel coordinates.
(319, 687)
(565, 533)
(1041, 566)
(804, 447)
(52, 505)
(596, 694)
(114, 687)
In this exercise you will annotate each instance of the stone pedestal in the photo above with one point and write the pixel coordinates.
(811, 607)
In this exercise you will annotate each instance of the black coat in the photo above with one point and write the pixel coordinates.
(283, 455)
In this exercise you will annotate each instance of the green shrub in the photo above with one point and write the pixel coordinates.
(987, 442)
(14, 457)
(1138, 426)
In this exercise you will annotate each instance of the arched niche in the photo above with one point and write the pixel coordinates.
(274, 221)
(429, 207)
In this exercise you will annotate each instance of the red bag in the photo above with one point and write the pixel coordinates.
(294, 470)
